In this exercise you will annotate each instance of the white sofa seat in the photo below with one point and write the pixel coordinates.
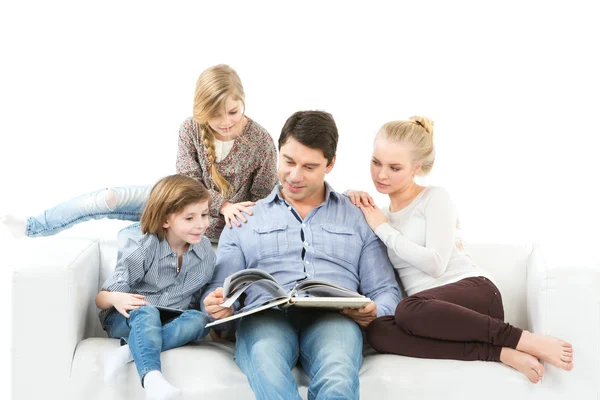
(55, 354)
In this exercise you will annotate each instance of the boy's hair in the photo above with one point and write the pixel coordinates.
(170, 195)
(314, 129)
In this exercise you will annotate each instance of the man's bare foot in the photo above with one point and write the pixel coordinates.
(526, 364)
(547, 348)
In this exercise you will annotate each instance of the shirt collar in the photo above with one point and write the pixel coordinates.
(330, 194)
(199, 248)
(165, 249)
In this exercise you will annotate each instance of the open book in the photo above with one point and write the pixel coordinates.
(309, 293)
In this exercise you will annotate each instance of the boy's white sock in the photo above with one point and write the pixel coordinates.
(16, 226)
(114, 360)
(157, 387)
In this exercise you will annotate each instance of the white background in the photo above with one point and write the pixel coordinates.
(92, 95)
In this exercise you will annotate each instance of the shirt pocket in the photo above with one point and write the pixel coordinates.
(340, 242)
(272, 240)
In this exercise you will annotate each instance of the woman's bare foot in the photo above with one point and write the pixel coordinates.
(547, 348)
(525, 363)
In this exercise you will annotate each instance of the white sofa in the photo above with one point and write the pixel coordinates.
(57, 337)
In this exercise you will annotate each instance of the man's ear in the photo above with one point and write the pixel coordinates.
(330, 166)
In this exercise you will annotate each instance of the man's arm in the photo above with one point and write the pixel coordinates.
(377, 276)
(230, 259)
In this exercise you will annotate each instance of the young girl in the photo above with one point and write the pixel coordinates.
(167, 266)
(454, 310)
(233, 156)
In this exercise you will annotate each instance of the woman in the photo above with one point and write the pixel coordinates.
(454, 309)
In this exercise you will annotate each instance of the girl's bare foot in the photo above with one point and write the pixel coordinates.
(526, 364)
(15, 225)
(547, 348)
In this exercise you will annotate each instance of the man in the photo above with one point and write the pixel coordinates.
(304, 230)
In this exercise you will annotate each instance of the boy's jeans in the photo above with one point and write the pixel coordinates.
(130, 203)
(148, 337)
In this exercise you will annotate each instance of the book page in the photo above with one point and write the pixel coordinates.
(316, 288)
(334, 303)
(271, 287)
(244, 278)
(270, 304)
(237, 283)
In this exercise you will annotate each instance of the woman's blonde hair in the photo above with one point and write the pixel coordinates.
(170, 195)
(213, 87)
(417, 132)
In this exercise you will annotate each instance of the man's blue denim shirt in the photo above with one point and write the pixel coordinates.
(333, 243)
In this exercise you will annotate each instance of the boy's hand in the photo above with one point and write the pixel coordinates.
(213, 305)
(124, 302)
(364, 315)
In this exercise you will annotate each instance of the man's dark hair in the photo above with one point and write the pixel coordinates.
(314, 129)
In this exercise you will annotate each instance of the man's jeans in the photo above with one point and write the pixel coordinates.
(130, 203)
(327, 344)
(148, 337)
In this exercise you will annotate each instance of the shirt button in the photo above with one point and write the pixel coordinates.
(304, 225)
(290, 208)
(308, 262)
(306, 243)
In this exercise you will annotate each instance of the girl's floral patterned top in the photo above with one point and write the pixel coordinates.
(250, 167)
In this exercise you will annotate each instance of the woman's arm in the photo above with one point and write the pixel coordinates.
(433, 258)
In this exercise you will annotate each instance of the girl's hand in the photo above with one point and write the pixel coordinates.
(124, 302)
(373, 215)
(233, 212)
(357, 198)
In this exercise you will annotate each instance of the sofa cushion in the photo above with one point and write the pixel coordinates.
(206, 369)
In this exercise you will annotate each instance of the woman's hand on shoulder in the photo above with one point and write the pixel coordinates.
(373, 215)
(124, 302)
(233, 212)
(360, 198)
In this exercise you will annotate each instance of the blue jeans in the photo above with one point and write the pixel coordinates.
(327, 344)
(129, 205)
(148, 337)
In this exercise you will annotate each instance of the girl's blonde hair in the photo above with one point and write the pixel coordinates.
(213, 87)
(168, 196)
(417, 132)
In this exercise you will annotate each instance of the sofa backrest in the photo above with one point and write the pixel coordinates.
(507, 263)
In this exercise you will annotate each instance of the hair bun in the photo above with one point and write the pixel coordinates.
(424, 122)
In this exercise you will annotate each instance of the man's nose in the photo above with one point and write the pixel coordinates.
(296, 174)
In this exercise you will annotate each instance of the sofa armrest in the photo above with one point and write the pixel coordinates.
(52, 286)
(564, 301)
